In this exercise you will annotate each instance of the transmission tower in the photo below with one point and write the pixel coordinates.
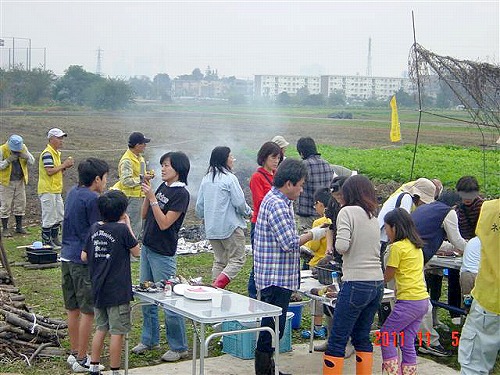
(369, 62)
(99, 58)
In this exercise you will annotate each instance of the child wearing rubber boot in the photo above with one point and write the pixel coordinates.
(405, 264)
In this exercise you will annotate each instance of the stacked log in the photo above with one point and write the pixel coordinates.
(23, 333)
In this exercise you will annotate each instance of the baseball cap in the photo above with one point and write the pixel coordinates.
(424, 188)
(56, 132)
(15, 142)
(137, 138)
(280, 141)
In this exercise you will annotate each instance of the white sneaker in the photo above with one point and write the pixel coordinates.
(84, 367)
(457, 321)
(171, 356)
(70, 360)
(141, 348)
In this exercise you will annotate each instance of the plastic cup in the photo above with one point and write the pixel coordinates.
(217, 298)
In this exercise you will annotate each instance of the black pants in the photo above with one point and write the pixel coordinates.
(278, 297)
(434, 285)
(454, 291)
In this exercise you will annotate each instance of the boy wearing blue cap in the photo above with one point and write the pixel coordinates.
(14, 161)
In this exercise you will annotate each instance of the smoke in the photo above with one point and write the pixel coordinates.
(198, 133)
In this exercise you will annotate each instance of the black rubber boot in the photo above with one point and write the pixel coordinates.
(54, 233)
(5, 227)
(46, 238)
(263, 363)
(19, 225)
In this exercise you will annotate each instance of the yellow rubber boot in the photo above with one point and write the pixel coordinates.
(332, 365)
(364, 363)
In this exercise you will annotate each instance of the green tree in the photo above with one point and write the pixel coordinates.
(283, 98)
(337, 97)
(301, 94)
(197, 74)
(71, 87)
(446, 98)
(314, 99)
(162, 86)
(110, 93)
(404, 99)
(142, 87)
(20, 86)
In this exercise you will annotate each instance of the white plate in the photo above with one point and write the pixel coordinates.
(180, 288)
(200, 293)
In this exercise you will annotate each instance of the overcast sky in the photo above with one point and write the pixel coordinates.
(244, 38)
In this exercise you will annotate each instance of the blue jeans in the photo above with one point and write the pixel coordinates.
(357, 303)
(276, 296)
(252, 289)
(156, 267)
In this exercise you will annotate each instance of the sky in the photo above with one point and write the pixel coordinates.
(244, 38)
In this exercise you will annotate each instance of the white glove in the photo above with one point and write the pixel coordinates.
(318, 233)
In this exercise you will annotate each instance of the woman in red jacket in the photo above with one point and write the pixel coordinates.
(261, 181)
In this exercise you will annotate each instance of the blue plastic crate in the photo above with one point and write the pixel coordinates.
(242, 345)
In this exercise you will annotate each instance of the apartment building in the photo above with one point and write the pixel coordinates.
(199, 89)
(270, 86)
(362, 87)
(354, 87)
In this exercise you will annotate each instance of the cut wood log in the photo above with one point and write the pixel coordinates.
(29, 327)
(46, 322)
(8, 289)
(41, 266)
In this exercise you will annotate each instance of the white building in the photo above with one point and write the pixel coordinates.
(353, 87)
(270, 86)
(363, 87)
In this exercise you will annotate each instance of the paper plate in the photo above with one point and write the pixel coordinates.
(200, 293)
(180, 288)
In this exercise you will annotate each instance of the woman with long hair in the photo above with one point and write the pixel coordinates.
(221, 204)
(358, 240)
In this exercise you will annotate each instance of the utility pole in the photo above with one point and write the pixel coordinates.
(99, 58)
(369, 62)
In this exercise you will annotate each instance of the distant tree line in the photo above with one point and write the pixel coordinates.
(81, 88)
(75, 87)
(445, 99)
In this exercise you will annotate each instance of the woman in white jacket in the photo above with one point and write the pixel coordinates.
(221, 204)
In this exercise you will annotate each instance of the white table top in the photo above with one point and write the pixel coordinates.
(234, 307)
(438, 261)
(307, 282)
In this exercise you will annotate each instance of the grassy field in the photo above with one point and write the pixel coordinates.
(448, 149)
(43, 292)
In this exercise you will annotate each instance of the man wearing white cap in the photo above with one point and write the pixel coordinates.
(14, 161)
(50, 186)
